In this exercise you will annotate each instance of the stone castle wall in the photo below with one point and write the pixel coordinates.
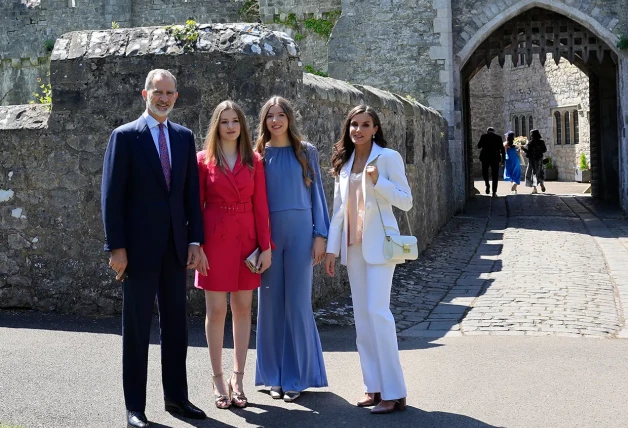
(51, 233)
(498, 95)
(29, 25)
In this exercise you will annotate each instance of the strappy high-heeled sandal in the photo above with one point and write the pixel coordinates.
(222, 401)
(238, 398)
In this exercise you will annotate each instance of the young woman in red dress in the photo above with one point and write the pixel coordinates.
(235, 222)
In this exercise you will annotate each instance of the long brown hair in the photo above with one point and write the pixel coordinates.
(343, 149)
(296, 140)
(212, 141)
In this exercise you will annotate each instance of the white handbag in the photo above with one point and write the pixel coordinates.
(398, 248)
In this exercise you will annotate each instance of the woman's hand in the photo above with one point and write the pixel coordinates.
(318, 250)
(203, 264)
(330, 264)
(373, 172)
(264, 261)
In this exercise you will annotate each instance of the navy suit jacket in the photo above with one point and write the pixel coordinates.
(138, 210)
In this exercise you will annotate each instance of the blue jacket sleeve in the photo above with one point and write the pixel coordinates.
(320, 214)
(113, 191)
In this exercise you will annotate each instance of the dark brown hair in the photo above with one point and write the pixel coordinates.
(343, 149)
(296, 140)
(212, 141)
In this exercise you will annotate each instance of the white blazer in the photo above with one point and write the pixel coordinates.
(391, 189)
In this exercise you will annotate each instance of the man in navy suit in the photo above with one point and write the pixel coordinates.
(492, 155)
(153, 226)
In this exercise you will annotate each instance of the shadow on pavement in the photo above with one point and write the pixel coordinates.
(326, 409)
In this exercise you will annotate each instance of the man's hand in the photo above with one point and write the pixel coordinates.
(194, 256)
(118, 262)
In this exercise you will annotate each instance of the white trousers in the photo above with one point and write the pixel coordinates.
(375, 325)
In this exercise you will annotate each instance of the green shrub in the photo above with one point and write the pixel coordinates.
(550, 163)
(583, 163)
(49, 45)
(185, 35)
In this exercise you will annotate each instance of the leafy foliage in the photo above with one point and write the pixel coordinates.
(622, 43)
(114, 25)
(312, 70)
(290, 21)
(49, 45)
(550, 163)
(45, 97)
(323, 26)
(583, 163)
(185, 35)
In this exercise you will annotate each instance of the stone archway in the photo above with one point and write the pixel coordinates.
(532, 30)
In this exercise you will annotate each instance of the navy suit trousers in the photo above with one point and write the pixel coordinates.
(168, 283)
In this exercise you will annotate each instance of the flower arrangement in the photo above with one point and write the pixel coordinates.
(521, 141)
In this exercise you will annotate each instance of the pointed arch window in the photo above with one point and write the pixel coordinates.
(516, 126)
(530, 123)
(567, 129)
(524, 129)
(576, 128)
(559, 127)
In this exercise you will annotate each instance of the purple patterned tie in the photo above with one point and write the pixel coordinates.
(163, 154)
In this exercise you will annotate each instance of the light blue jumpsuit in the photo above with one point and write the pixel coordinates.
(289, 352)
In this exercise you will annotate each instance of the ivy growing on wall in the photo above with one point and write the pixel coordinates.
(310, 69)
(321, 26)
(622, 43)
(45, 97)
(185, 35)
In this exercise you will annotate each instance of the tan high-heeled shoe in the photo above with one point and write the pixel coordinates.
(370, 399)
(238, 398)
(222, 401)
(389, 406)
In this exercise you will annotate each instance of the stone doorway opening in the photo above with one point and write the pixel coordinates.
(543, 70)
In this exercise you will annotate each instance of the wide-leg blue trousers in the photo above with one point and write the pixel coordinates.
(289, 352)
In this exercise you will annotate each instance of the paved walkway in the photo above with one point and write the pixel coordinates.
(551, 265)
(535, 265)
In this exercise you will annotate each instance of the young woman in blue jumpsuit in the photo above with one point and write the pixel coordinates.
(289, 354)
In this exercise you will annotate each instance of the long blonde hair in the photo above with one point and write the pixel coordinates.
(213, 148)
(294, 135)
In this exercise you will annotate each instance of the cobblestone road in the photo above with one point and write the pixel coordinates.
(515, 265)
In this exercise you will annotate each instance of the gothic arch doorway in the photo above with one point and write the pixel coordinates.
(539, 34)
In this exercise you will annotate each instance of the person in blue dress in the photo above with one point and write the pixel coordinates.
(289, 352)
(512, 169)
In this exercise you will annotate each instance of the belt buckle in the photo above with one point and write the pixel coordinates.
(406, 248)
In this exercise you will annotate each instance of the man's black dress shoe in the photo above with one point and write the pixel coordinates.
(136, 420)
(185, 409)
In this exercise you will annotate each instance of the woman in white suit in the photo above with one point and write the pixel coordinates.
(368, 174)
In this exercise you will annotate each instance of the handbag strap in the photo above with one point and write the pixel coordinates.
(380, 211)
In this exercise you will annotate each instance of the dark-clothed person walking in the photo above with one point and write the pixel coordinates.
(535, 173)
(153, 226)
(491, 156)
